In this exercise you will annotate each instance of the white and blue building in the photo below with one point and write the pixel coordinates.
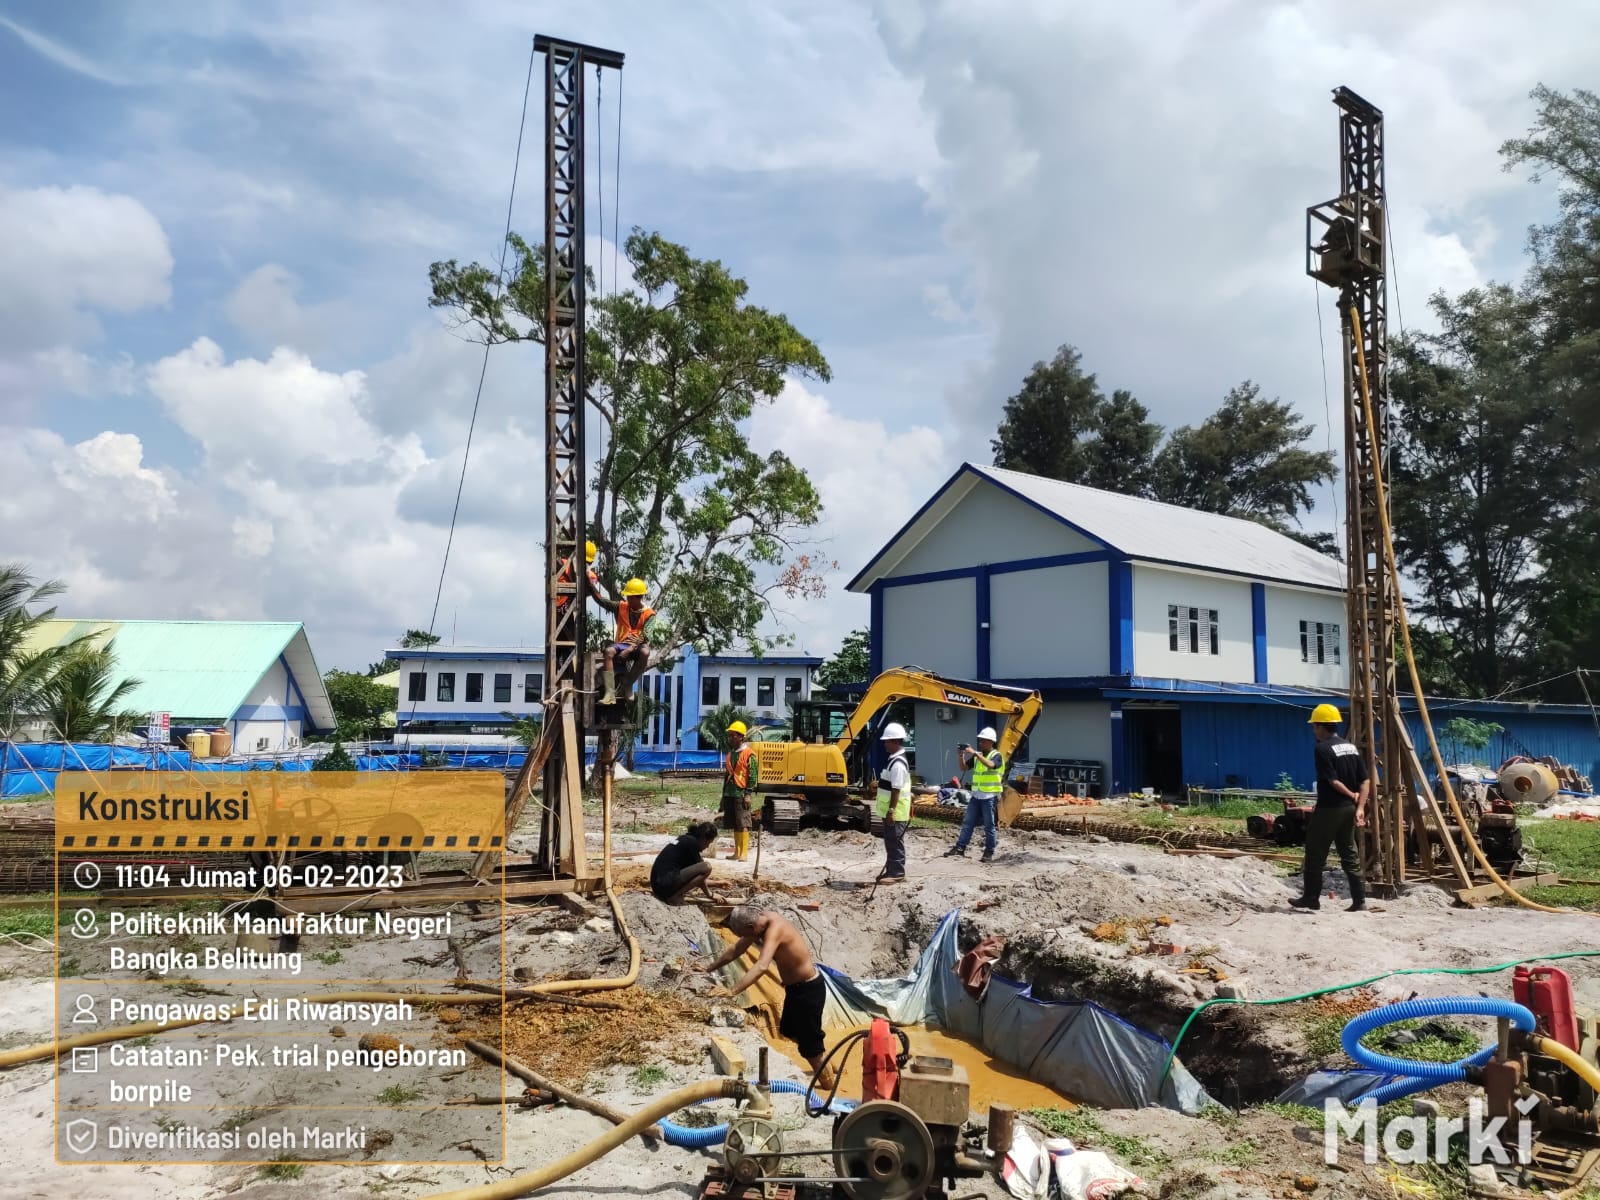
(1172, 647)
(460, 694)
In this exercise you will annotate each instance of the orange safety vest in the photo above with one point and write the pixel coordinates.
(625, 626)
(565, 576)
(739, 768)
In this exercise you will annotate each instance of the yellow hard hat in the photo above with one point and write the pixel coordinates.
(1325, 714)
(589, 552)
(634, 587)
(737, 727)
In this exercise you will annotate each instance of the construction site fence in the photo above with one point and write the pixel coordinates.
(31, 768)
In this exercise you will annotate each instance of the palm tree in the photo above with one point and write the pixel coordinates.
(713, 726)
(83, 699)
(24, 674)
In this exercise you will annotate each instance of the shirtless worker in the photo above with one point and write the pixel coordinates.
(805, 992)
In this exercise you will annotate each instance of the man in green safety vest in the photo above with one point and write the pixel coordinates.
(897, 804)
(988, 778)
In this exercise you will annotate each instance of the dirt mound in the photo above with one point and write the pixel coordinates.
(570, 1044)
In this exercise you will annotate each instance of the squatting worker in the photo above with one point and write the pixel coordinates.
(897, 804)
(805, 992)
(628, 648)
(681, 866)
(741, 773)
(1342, 790)
(988, 776)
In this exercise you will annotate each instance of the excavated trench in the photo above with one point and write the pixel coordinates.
(1237, 1053)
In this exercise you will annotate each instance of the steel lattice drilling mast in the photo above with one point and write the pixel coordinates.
(1346, 251)
(568, 667)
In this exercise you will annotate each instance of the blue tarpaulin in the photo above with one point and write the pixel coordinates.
(30, 768)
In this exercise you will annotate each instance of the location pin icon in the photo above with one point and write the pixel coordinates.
(83, 925)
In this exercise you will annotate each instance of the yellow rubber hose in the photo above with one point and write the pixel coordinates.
(1405, 635)
(13, 1058)
(532, 1181)
(1576, 1063)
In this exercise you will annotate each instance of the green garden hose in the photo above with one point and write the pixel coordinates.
(1172, 1054)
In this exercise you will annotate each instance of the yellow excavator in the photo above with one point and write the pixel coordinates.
(824, 776)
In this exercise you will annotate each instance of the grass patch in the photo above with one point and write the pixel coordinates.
(1085, 1130)
(648, 1076)
(1300, 1114)
(242, 1118)
(38, 921)
(394, 1094)
(1240, 1154)
(1443, 1042)
(328, 957)
(287, 1167)
(68, 966)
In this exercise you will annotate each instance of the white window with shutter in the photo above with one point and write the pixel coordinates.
(1192, 630)
(1319, 643)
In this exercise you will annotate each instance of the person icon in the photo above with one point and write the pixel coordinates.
(84, 1011)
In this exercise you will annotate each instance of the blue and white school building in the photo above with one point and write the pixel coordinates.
(1173, 648)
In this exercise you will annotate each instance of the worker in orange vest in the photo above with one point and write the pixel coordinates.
(740, 780)
(565, 576)
(629, 648)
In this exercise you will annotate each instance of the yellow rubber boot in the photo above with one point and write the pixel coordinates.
(608, 681)
(741, 845)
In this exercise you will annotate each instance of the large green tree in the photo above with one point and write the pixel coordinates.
(850, 663)
(1121, 456)
(414, 639)
(1481, 479)
(1044, 426)
(679, 497)
(1248, 459)
(359, 703)
(1564, 145)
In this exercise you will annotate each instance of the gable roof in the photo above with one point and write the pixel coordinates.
(1134, 528)
(199, 669)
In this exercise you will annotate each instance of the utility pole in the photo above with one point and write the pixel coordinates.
(568, 665)
(1346, 251)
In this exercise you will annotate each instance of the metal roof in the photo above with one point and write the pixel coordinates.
(200, 670)
(1137, 529)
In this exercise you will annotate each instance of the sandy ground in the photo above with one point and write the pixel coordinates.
(1049, 894)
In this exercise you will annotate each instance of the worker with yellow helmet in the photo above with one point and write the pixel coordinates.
(738, 782)
(1342, 789)
(629, 648)
(590, 553)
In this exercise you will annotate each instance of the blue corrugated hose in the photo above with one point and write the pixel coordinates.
(1422, 1076)
(700, 1139)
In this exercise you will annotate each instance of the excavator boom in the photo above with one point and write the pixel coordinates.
(913, 683)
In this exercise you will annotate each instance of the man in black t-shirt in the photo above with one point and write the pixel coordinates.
(1342, 789)
(680, 867)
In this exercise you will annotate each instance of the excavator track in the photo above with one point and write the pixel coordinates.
(781, 816)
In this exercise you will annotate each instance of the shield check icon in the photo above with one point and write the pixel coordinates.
(82, 1135)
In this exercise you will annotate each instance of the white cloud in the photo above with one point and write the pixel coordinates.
(62, 56)
(266, 307)
(68, 252)
(871, 480)
(1132, 179)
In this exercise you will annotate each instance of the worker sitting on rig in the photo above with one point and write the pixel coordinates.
(1342, 788)
(565, 576)
(741, 772)
(628, 649)
(681, 866)
(805, 992)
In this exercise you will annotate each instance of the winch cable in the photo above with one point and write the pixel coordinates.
(1172, 1053)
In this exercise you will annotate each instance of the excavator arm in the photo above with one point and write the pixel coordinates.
(913, 683)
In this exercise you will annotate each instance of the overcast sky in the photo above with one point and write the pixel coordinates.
(222, 393)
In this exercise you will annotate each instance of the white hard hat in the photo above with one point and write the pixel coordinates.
(893, 732)
(987, 734)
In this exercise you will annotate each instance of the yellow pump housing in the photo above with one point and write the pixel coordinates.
(824, 779)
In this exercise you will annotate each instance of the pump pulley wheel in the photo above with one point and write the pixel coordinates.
(753, 1148)
(886, 1148)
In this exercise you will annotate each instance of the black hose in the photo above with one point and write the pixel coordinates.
(843, 1043)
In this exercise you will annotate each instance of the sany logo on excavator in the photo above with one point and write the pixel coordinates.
(960, 698)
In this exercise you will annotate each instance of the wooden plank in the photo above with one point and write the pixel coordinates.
(726, 1056)
(1488, 891)
(521, 789)
(575, 853)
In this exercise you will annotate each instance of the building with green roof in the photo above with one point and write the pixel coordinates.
(256, 679)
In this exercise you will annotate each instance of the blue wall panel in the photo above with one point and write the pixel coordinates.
(1255, 743)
